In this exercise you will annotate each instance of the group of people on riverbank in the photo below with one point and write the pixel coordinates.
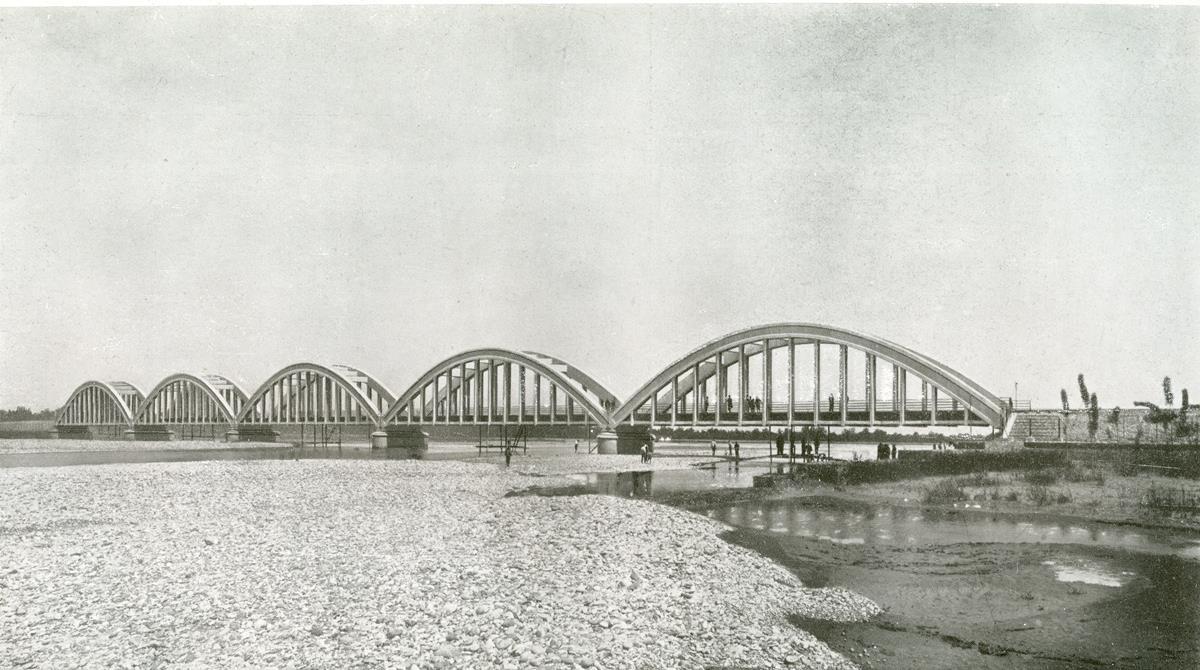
(808, 451)
(732, 449)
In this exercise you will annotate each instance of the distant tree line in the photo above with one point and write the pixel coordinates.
(22, 413)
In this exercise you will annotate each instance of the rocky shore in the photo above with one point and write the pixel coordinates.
(380, 564)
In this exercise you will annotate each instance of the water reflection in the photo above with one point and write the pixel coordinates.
(1089, 572)
(859, 523)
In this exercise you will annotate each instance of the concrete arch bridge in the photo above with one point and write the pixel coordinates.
(774, 376)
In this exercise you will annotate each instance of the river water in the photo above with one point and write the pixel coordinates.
(961, 587)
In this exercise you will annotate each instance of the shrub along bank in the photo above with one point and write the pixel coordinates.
(914, 465)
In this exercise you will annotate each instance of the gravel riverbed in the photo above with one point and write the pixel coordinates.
(42, 446)
(380, 564)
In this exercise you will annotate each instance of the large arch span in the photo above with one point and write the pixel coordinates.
(185, 398)
(499, 386)
(695, 389)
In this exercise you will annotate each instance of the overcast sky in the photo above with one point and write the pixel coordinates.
(1014, 191)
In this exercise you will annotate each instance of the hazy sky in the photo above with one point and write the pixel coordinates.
(1012, 190)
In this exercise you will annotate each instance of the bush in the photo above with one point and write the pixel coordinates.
(979, 479)
(1170, 499)
(944, 491)
(1040, 495)
(1075, 473)
(1011, 496)
(1042, 478)
(913, 465)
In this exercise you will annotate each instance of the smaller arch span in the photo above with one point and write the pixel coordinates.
(314, 393)
(479, 387)
(707, 368)
(97, 403)
(192, 399)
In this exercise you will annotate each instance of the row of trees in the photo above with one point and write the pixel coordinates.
(22, 413)
(1173, 422)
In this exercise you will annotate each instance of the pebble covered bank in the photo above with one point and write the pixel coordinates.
(380, 564)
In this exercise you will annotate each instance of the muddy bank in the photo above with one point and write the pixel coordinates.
(1001, 605)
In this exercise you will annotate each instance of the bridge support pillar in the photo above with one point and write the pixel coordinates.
(606, 443)
(156, 433)
(623, 440)
(257, 433)
(232, 435)
(400, 437)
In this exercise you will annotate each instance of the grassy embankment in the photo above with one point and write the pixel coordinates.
(1153, 486)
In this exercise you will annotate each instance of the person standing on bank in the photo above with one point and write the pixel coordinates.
(577, 446)
(737, 451)
(713, 444)
(643, 453)
(507, 455)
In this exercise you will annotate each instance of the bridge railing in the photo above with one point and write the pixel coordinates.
(857, 412)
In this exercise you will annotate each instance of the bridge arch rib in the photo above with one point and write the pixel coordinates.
(690, 380)
(96, 403)
(478, 387)
(312, 393)
(191, 399)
